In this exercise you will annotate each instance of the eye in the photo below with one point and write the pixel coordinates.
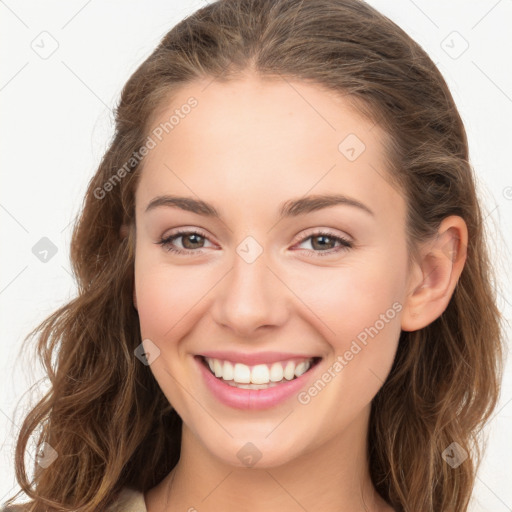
(190, 240)
(325, 240)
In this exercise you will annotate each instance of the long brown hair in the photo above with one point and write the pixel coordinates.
(105, 415)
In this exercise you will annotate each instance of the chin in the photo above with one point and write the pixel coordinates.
(255, 450)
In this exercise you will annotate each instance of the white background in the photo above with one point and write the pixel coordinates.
(57, 120)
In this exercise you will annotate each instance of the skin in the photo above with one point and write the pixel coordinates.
(247, 147)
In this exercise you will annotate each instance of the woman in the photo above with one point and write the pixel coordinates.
(318, 348)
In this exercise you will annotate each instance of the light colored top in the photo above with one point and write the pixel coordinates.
(129, 500)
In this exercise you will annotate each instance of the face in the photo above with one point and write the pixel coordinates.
(254, 288)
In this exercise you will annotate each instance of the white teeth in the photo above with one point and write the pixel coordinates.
(228, 371)
(289, 371)
(242, 374)
(259, 375)
(276, 372)
(217, 368)
(300, 369)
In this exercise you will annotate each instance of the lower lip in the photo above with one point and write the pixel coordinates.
(252, 399)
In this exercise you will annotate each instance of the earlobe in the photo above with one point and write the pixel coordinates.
(436, 275)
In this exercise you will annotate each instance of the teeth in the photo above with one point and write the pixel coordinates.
(289, 371)
(217, 368)
(251, 386)
(242, 374)
(300, 369)
(259, 375)
(276, 372)
(228, 371)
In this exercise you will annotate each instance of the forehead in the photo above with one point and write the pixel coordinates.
(262, 142)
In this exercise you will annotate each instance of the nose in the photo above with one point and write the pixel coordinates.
(251, 298)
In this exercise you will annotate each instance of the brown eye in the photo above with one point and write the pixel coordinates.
(191, 240)
(326, 242)
(323, 244)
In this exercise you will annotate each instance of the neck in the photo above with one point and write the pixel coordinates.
(331, 477)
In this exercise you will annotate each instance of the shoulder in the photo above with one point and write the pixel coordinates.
(128, 500)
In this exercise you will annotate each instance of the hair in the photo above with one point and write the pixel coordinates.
(104, 413)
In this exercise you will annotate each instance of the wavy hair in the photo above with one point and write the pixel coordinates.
(104, 413)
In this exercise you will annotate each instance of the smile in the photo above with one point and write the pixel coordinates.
(259, 376)
(260, 386)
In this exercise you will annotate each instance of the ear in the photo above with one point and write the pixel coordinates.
(433, 279)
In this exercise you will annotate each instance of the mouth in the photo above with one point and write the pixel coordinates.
(259, 376)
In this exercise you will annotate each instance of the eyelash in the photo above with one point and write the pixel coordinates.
(166, 243)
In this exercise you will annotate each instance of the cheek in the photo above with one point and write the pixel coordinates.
(357, 309)
(167, 295)
(367, 327)
(347, 300)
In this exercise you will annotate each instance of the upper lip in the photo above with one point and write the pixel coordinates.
(251, 359)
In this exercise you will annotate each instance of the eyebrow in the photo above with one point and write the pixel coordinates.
(290, 208)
